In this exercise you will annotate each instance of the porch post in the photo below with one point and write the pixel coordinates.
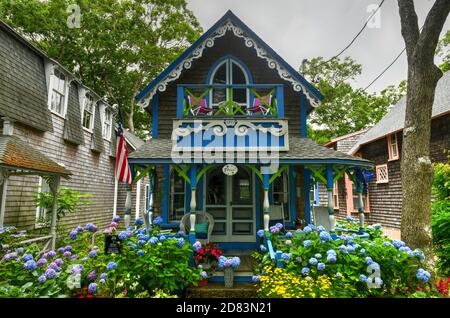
(148, 215)
(266, 205)
(4, 175)
(193, 203)
(330, 197)
(359, 190)
(54, 188)
(127, 216)
(307, 186)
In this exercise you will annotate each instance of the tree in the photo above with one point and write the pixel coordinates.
(344, 108)
(423, 75)
(121, 45)
(444, 51)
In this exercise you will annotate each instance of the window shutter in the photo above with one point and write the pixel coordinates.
(97, 138)
(73, 131)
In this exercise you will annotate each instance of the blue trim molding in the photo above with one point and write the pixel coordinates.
(303, 107)
(155, 116)
(307, 187)
(165, 194)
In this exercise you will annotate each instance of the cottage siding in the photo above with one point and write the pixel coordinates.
(197, 74)
(23, 88)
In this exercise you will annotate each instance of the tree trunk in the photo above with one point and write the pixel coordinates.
(423, 75)
(131, 116)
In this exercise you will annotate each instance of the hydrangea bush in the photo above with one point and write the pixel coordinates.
(356, 267)
(148, 263)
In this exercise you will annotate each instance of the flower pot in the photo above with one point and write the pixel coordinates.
(203, 282)
(228, 276)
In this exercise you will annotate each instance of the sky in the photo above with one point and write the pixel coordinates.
(299, 29)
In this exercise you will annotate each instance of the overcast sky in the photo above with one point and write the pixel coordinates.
(298, 29)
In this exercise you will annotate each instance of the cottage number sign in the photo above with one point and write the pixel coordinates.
(229, 170)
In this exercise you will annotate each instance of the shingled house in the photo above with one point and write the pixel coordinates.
(48, 110)
(382, 144)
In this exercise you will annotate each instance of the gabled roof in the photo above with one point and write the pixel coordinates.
(229, 22)
(16, 154)
(394, 120)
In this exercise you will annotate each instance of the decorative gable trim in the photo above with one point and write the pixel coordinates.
(207, 41)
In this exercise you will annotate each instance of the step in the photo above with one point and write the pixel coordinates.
(218, 290)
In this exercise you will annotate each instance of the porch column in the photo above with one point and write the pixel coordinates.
(330, 184)
(54, 188)
(148, 214)
(266, 205)
(127, 216)
(359, 190)
(4, 175)
(193, 203)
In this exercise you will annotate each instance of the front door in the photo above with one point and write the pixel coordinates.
(230, 200)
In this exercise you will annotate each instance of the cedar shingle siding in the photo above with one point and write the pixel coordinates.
(73, 131)
(23, 88)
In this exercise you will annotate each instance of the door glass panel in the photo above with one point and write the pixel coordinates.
(242, 213)
(216, 188)
(217, 213)
(242, 188)
(220, 228)
(220, 77)
(242, 228)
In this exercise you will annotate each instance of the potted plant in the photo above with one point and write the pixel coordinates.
(229, 265)
(207, 257)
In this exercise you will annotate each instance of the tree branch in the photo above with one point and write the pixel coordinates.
(432, 27)
(409, 25)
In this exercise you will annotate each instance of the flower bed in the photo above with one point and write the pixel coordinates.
(149, 264)
(315, 265)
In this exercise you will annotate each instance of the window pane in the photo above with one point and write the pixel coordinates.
(242, 189)
(219, 228)
(242, 228)
(219, 95)
(220, 77)
(87, 120)
(217, 213)
(238, 75)
(215, 190)
(242, 213)
(240, 95)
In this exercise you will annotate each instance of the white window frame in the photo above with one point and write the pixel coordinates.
(43, 187)
(107, 121)
(378, 170)
(392, 145)
(63, 91)
(88, 98)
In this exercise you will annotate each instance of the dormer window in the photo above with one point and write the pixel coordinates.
(88, 111)
(58, 93)
(107, 124)
(393, 147)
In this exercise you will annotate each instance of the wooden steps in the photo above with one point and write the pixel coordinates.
(218, 290)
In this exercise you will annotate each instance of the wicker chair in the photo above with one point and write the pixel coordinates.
(201, 217)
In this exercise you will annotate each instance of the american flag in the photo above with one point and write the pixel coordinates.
(123, 173)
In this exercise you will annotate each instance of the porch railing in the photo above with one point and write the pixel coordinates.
(191, 97)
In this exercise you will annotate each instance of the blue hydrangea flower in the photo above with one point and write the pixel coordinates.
(84, 259)
(123, 235)
(42, 279)
(419, 254)
(91, 227)
(116, 219)
(343, 249)
(320, 266)
(313, 261)
(255, 278)
(398, 243)
(363, 278)
(404, 249)
(180, 233)
(180, 242)
(260, 233)
(350, 249)
(374, 266)
(274, 230)
(363, 251)
(140, 252)
(200, 266)
(423, 275)
(263, 248)
(338, 275)
(325, 236)
(141, 242)
(103, 275)
(93, 253)
(138, 222)
(102, 281)
(349, 219)
(305, 271)
(320, 228)
(61, 250)
(29, 265)
(73, 235)
(307, 243)
(92, 287)
(204, 275)
(331, 252)
(387, 244)
(298, 231)
(197, 245)
(285, 256)
(289, 235)
(27, 257)
(331, 258)
(153, 240)
(111, 266)
(307, 229)
(369, 260)
(318, 256)
(50, 273)
(279, 226)
(158, 220)
(79, 229)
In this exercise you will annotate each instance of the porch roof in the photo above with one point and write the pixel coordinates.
(16, 154)
(301, 151)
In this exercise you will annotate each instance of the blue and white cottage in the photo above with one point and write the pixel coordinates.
(229, 141)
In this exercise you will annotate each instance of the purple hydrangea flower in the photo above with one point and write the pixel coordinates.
(274, 230)
(91, 227)
(67, 254)
(42, 279)
(20, 250)
(59, 261)
(92, 276)
(92, 287)
(77, 269)
(61, 250)
(29, 265)
(68, 248)
(51, 254)
(113, 225)
(50, 273)
(73, 235)
(116, 219)
(93, 253)
(41, 262)
(9, 256)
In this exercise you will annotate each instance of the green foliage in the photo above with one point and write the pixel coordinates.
(345, 109)
(443, 50)
(120, 47)
(69, 201)
(441, 216)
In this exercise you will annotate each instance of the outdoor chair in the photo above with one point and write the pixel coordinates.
(199, 108)
(259, 106)
(276, 213)
(204, 224)
(321, 217)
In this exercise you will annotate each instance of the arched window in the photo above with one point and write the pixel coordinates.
(229, 71)
(177, 191)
